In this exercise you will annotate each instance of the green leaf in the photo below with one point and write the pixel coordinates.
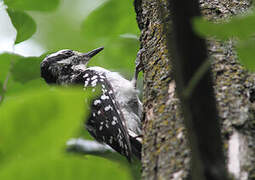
(26, 69)
(241, 27)
(111, 19)
(246, 53)
(36, 5)
(22, 70)
(5, 64)
(23, 23)
(64, 168)
(40, 121)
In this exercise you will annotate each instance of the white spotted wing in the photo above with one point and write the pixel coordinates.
(106, 122)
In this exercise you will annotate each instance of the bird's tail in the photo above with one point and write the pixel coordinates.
(136, 146)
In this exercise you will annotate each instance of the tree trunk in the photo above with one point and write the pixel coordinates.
(166, 154)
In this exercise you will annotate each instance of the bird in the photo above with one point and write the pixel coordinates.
(115, 115)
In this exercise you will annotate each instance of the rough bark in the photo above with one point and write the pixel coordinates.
(166, 153)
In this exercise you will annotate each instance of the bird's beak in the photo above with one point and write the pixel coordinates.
(93, 52)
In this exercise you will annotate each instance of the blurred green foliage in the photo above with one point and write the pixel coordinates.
(36, 120)
(241, 28)
(65, 168)
(39, 118)
(35, 126)
(105, 26)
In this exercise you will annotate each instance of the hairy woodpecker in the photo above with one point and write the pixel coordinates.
(115, 116)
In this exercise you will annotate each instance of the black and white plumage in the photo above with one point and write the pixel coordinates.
(115, 117)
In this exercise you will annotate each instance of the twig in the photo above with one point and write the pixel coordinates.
(83, 146)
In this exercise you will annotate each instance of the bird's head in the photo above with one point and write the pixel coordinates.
(63, 62)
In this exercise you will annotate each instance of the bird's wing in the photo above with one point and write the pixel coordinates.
(106, 122)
